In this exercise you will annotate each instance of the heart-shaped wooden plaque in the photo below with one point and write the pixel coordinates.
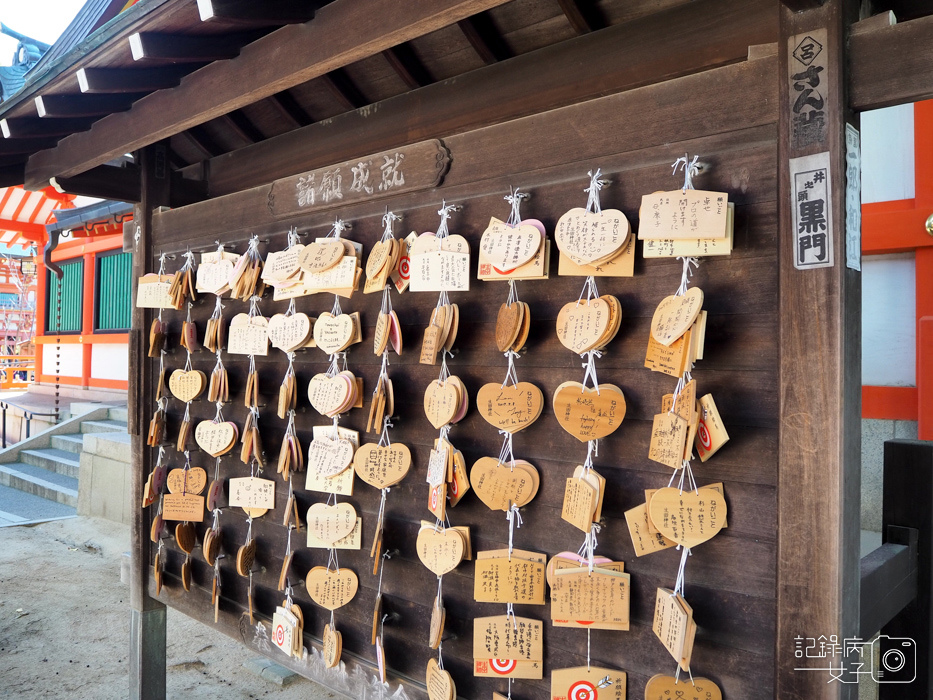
(331, 523)
(662, 687)
(688, 517)
(331, 589)
(589, 237)
(289, 333)
(499, 487)
(441, 402)
(193, 483)
(215, 438)
(675, 315)
(187, 386)
(512, 407)
(586, 414)
(439, 682)
(440, 549)
(318, 257)
(329, 457)
(333, 333)
(508, 247)
(382, 466)
(581, 324)
(327, 394)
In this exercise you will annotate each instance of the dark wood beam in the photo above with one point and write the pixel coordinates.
(15, 127)
(288, 107)
(582, 15)
(179, 48)
(888, 579)
(906, 72)
(64, 106)
(344, 89)
(25, 146)
(408, 66)
(802, 5)
(241, 125)
(655, 48)
(341, 33)
(257, 13)
(117, 80)
(492, 154)
(104, 181)
(484, 38)
(12, 175)
(204, 142)
(185, 191)
(176, 160)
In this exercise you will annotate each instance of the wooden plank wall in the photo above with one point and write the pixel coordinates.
(634, 139)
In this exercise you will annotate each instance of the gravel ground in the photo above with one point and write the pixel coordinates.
(65, 624)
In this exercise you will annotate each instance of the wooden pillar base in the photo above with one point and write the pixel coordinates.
(147, 654)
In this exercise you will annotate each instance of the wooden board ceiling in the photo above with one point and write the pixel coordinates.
(155, 45)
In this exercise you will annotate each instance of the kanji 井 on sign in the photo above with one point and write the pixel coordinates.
(811, 195)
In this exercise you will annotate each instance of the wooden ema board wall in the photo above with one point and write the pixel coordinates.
(730, 580)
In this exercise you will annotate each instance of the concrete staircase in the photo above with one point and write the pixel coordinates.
(52, 474)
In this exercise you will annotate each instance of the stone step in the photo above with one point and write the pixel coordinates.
(53, 460)
(115, 446)
(40, 482)
(19, 508)
(68, 443)
(119, 414)
(103, 426)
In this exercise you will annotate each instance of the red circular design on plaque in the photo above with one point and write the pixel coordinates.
(703, 434)
(502, 666)
(582, 690)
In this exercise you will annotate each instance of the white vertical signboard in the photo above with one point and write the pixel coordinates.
(811, 193)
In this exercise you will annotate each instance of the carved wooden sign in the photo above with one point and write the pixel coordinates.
(406, 169)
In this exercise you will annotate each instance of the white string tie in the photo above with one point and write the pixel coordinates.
(444, 212)
(387, 220)
(510, 373)
(515, 521)
(515, 198)
(687, 274)
(506, 456)
(681, 571)
(292, 240)
(590, 369)
(596, 184)
(338, 228)
(690, 167)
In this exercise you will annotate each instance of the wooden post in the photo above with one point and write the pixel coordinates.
(908, 488)
(820, 319)
(147, 625)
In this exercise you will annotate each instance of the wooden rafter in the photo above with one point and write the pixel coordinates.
(641, 52)
(582, 15)
(63, 106)
(241, 125)
(342, 32)
(119, 80)
(256, 13)
(408, 66)
(484, 38)
(179, 48)
(344, 89)
(16, 127)
(289, 108)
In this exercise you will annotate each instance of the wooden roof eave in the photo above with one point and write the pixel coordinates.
(59, 74)
(262, 69)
